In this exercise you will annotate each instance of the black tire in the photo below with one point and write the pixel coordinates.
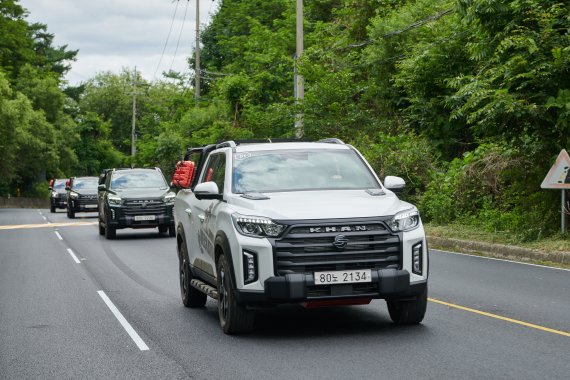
(172, 231)
(70, 214)
(52, 209)
(408, 312)
(234, 318)
(191, 297)
(162, 229)
(101, 228)
(110, 232)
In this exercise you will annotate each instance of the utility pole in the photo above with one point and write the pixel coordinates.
(197, 68)
(299, 85)
(133, 135)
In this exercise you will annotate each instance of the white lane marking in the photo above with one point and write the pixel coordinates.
(73, 256)
(58, 235)
(497, 259)
(126, 325)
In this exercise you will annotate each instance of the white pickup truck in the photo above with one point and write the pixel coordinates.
(268, 223)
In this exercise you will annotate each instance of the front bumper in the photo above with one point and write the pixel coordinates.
(118, 218)
(295, 288)
(82, 205)
(59, 202)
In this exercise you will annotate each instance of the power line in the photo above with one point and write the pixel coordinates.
(179, 35)
(166, 42)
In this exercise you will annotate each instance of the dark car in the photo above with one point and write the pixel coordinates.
(57, 195)
(81, 195)
(135, 198)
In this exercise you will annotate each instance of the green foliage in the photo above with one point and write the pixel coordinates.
(403, 154)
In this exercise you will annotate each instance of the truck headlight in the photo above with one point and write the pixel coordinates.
(114, 200)
(405, 221)
(169, 198)
(73, 195)
(257, 226)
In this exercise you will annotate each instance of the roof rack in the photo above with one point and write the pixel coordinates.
(226, 144)
(331, 141)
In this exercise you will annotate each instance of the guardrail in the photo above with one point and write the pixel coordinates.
(22, 202)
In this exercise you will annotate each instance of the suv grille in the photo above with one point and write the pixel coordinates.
(314, 248)
(144, 207)
(86, 200)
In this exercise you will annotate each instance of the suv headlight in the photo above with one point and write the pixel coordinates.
(114, 200)
(405, 221)
(169, 197)
(257, 226)
(73, 195)
(54, 194)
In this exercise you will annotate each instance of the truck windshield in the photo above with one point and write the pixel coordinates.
(138, 179)
(85, 183)
(298, 170)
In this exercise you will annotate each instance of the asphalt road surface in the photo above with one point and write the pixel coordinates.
(74, 305)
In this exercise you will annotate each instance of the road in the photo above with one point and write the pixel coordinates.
(74, 305)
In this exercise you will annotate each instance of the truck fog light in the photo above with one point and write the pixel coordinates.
(417, 257)
(249, 267)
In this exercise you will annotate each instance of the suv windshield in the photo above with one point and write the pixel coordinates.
(85, 184)
(296, 170)
(137, 179)
(59, 184)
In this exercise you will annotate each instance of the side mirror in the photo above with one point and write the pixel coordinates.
(183, 174)
(51, 182)
(101, 188)
(207, 190)
(395, 184)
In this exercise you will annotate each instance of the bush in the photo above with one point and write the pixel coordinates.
(495, 188)
(404, 154)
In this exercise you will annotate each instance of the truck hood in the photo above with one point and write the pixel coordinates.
(331, 204)
(142, 193)
(85, 191)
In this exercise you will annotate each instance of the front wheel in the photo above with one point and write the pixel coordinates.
(172, 231)
(234, 318)
(52, 209)
(70, 214)
(408, 312)
(110, 231)
(191, 297)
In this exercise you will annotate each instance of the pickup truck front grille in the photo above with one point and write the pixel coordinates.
(144, 207)
(330, 247)
(83, 200)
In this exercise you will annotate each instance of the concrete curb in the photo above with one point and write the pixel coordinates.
(21, 202)
(501, 251)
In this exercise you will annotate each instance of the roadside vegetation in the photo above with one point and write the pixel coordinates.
(467, 100)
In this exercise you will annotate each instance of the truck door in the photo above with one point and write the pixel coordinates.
(204, 215)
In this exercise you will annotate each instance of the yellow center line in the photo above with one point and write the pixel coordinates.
(516, 321)
(43, 225)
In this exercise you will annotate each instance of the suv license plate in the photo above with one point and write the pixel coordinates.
(145, 217)
(90, 206)
(343, 277)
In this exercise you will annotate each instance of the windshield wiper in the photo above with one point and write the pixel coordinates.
(254, 196)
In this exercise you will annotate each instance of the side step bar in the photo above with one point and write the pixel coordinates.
(209, 290)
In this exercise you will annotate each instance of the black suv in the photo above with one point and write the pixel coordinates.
(81, 195)
(57, 195)
(134, 198)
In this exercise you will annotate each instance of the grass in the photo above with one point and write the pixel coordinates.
(557, 242)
